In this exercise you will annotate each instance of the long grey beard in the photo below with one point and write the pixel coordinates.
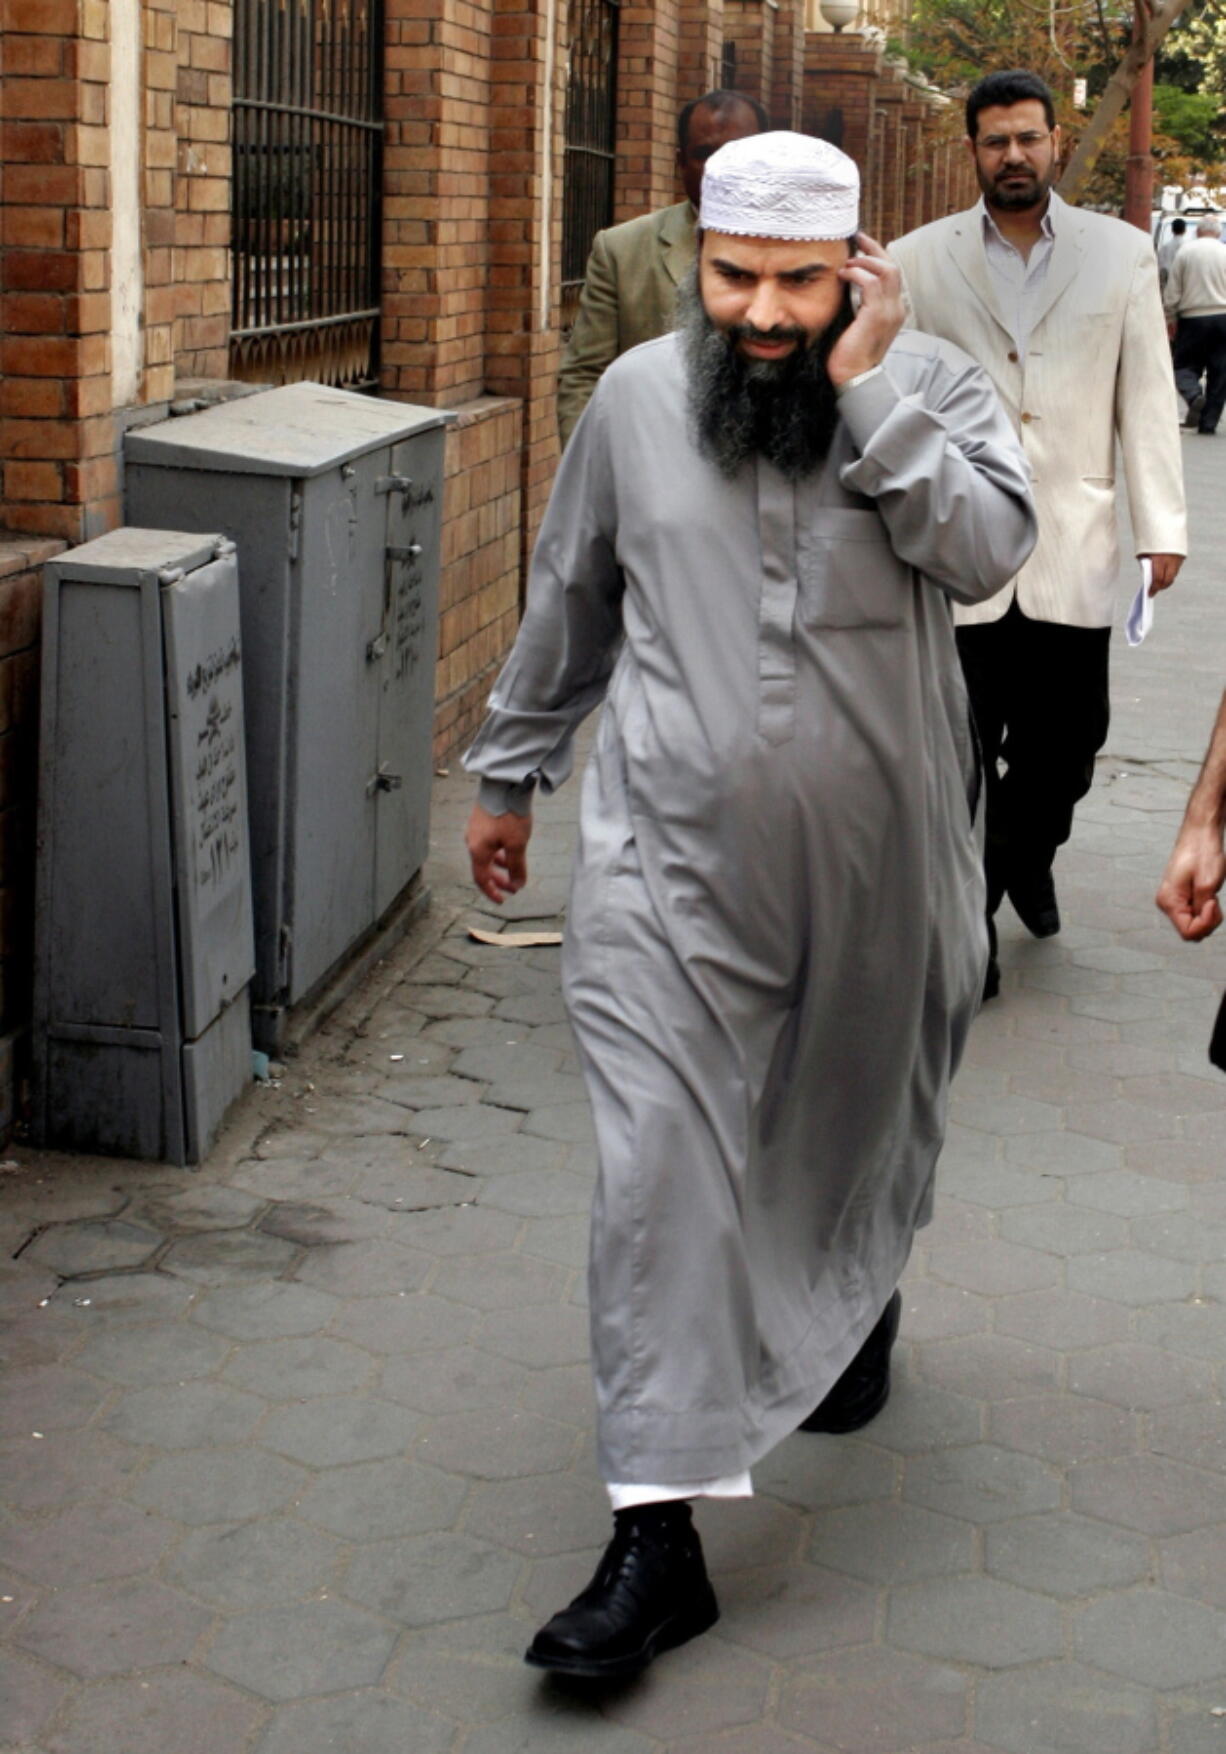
(784, 410)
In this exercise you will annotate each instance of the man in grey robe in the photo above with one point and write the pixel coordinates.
(775, 941)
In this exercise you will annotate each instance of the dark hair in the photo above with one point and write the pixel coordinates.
(1178, 227)
(718, 100)
(1013, 87)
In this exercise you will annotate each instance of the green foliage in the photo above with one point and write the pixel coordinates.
(1191, 120)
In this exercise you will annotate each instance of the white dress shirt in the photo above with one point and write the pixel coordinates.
(1016, 279)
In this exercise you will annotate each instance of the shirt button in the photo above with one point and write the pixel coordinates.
(1027, 418)
(1013, 358)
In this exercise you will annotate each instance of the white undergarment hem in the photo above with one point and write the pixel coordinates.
(727, 1486)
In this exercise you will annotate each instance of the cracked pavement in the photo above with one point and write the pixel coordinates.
(296, 1449)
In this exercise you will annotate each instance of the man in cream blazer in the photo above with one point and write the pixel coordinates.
(634, 268)
(1061, 308)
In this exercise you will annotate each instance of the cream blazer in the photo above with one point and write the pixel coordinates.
(628, 297)
(1097, 372)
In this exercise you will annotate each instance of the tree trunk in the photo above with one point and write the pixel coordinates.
(1119, 89)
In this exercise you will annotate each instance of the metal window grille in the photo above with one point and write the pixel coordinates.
(727, 65)
(591, 134)
(308, 138)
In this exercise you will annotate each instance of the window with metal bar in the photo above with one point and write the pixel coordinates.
(308, 136)
(591, 133)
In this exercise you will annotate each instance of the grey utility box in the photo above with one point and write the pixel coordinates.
(143, 940)
(334, 501)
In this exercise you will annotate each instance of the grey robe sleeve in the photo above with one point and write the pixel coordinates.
(947, 472)
(567, 643)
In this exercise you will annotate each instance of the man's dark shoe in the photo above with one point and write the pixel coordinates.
(991, 980)
(1034, 902)
(864, 1387)
(1192, 413)
(650, 1593)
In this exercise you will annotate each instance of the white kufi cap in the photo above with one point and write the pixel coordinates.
(781, 185)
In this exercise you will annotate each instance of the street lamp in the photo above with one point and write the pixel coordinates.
(840, 13)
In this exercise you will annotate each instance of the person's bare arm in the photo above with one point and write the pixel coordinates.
(1196, 868)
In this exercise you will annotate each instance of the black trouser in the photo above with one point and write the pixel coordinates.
(1200, 351)
(1039, 695)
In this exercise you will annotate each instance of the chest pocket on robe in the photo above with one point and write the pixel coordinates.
(849, 574)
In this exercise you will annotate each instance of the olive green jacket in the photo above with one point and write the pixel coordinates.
(628, 297)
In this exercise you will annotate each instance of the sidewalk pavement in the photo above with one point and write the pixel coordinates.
(297, 1449)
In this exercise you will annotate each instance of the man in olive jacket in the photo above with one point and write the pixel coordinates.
(634, 268)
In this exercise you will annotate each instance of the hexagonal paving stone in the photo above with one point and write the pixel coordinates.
(990, 1367)
(536, 1336)
(216, 1486)
(819, 1473)
(513, 1154)
(1063, 1321)
(361, 1723)
(1195, 1434)
(85, 1545)
(1197, 1328)
(372, 1267)
(982, 1482)
(1048, 1155)
(228, 1257)
(941, 1312)
(427, 1578)
(272, 1311)
(975, 1620)
(335, 1429)
(1064, 1709)
(787, 1611)
(109, 1627)
(874, 1702)
(1151, 1493)
(51, 1398)
(155, 1354)
(94, 1245)
(458, 1379)
(239, 1566)
(1195, 1729)
(1132, 1277)
(457, 1231)
(1157, 1639)
(312, 1224)
(372, 1501)
(1142, 1377)
(711, 1685)
(993, 1268)
(1122, 1123)
(31, 1695)
(185, 1415)
(44, 1474)
(296, 1369)
(1065, 1555)
(1181, 1236)
(496, 1444)
(152, 1714)
(1062, 1428)
(126, 1297)
(1064, 1229)
(1195, 1565)
(501, 1281)
(529, 1192)
(1126, 1193)
(892, 1543)
(203, 1206)
(292, 1653)
(404, 1324)
(573, 1515)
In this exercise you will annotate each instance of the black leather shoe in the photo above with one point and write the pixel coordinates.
(650, 1593)
(864, 1387)
(991, 980)
(1034, 902)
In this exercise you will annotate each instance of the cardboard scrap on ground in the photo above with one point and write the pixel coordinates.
(514, 940)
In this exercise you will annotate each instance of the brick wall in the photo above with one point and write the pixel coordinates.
(56, 437)
(750, 25)
(189, 74)
(649, 46)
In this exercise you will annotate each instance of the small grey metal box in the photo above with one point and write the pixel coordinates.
(334, 500)
(144, 948)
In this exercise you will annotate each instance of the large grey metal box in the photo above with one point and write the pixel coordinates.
(144, 947)
(334, 501)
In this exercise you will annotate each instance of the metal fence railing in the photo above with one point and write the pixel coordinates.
(308, 137)
(591, 135)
